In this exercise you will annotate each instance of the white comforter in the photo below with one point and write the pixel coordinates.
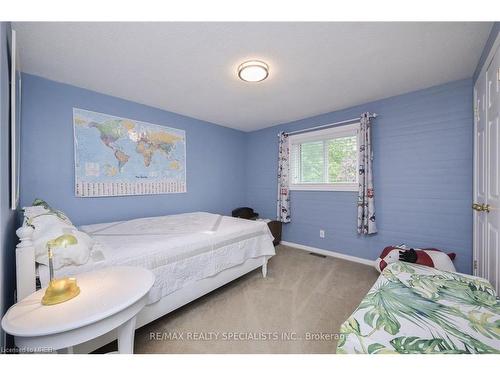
(178, 249)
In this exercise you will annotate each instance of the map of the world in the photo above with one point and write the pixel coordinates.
(118, 156)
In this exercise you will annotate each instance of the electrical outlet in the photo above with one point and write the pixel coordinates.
(321, 233)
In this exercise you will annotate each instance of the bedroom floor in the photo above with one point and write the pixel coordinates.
(302, 293)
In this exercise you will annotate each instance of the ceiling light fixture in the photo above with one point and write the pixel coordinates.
(253, 71)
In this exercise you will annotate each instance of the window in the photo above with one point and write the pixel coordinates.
(325, 159)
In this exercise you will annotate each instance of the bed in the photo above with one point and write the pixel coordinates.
(190, 254)
(414, 309)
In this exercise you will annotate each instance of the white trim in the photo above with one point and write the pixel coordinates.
(475, 109)
(15, 109)
(339, 186)
(329, 253)
(323, 135)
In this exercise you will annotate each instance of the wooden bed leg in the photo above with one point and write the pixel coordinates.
(264, 268)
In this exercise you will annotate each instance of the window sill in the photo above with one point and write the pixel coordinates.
(325, 187)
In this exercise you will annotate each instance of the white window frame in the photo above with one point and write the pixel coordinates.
(317, 135)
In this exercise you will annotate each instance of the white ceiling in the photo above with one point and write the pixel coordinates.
(190, 68)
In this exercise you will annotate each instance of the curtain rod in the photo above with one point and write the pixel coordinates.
(373, 115)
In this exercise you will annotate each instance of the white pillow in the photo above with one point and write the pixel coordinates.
(43, 211)
(49, 224)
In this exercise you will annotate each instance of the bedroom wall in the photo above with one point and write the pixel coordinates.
(422, 175)
(7, 216)
(423, 169)
(215, 161)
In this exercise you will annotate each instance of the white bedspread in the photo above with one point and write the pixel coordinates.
(178, 249)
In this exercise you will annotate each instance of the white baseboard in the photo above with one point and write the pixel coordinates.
(329, 253)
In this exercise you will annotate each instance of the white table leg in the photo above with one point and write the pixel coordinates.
(126, 333)
(264, 268)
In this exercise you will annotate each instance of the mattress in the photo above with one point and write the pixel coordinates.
(413, 309)
(178, 249)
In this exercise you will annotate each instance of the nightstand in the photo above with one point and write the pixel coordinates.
(109, 299)
(275, 228)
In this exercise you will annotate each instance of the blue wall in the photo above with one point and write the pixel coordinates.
(7, 216)
(495, 30)
(423, 169)
(215, 157)
(422, 174)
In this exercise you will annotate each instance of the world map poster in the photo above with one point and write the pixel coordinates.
(118, 156)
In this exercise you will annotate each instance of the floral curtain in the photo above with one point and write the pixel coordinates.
(283, 206)
(366, 205)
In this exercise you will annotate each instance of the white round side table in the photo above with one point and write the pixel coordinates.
(110, 298)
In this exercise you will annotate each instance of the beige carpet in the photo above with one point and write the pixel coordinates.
(302, 295)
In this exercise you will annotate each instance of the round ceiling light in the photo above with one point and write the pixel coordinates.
(253, 71)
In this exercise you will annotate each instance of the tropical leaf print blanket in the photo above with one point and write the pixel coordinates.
(417, 309)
